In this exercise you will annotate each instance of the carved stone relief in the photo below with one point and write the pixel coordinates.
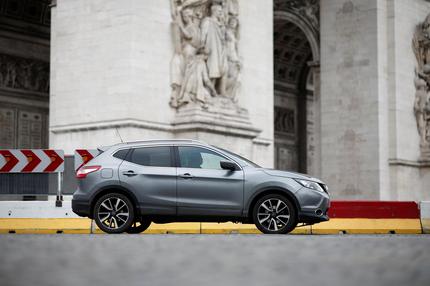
(7, 127)
(308, 9)
(24, 74)
(20, 128)
(291, 52)
(421, 48)
(284, 120)
(206, 63)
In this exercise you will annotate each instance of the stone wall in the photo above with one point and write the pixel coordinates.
(109, 70)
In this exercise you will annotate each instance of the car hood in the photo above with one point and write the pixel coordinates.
(292, 175)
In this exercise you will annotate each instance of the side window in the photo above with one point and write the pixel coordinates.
(196, 157)
(121, 154)
(152, 156)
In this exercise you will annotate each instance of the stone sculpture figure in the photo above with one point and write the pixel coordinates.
(421, 48)
(190, 81)
(422, 110)
(213, 40)
(206, 62)
(234, 64)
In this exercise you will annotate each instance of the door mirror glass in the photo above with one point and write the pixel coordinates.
(228, 165)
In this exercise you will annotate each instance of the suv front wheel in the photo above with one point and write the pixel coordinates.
(114, 213)
(274, 214)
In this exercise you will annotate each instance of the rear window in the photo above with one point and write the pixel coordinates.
(121, 154)
(152, 156)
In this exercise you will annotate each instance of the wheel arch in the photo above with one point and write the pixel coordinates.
(272, 190)
(113, 189)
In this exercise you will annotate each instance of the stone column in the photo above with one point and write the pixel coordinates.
(354, 125)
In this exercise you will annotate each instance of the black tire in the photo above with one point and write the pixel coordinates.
(139, 226)
(273, 218)
(111, 216)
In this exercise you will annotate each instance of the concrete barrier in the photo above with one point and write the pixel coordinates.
(425, 216)
(350, 217)
(374, 209)
(35, 209)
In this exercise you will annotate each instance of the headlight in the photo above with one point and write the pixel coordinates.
(310, 185)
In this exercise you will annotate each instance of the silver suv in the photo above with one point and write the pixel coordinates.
(129, 185)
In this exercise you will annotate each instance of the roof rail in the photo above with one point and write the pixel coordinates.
(165, 140)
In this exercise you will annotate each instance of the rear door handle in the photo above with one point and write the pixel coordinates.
(129, 173)
(186, 176)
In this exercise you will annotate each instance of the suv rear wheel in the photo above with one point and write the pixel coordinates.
(114, 213)
(274, 214)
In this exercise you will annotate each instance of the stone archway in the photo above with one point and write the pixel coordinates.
(296, 72)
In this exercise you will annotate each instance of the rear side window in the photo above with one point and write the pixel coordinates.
(152, 156)
(121, 154)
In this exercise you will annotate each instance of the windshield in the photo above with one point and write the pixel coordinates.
(239, 158)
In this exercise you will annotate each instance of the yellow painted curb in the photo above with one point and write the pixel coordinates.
(425, 223)
(368, 226)
(334, 226)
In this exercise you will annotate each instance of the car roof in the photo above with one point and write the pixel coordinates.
(160, 141)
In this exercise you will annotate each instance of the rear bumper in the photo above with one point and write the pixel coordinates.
(81, 207)
(81, 203)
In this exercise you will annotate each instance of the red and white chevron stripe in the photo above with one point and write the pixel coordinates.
(83, 156)
(31, 161)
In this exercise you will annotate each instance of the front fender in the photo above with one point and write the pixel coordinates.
(285, 186)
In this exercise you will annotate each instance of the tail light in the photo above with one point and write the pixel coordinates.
(85, 170)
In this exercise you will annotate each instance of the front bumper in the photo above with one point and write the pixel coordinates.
(314, 206)
(311, 218)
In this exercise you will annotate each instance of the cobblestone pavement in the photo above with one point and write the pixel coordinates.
(214, 260)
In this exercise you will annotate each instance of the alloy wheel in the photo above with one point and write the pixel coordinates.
(273, 214)
(113, 213)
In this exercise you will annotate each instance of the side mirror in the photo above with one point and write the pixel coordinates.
(228, 165)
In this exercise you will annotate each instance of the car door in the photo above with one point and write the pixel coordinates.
(204, 188)
(150, 173)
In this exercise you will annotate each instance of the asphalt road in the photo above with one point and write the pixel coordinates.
(214, 260)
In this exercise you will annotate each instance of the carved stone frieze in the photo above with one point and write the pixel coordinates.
(206, 63)
(24, 74)
(284, 120)
(421, 48)
(307, 9)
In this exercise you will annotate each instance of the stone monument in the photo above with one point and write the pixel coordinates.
(163, 69)
(205, 69)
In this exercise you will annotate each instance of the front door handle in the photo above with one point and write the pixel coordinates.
(186, 176)
(129, 173)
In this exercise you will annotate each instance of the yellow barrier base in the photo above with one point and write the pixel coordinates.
(334, 226)
(368, 226)
(425, 223)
